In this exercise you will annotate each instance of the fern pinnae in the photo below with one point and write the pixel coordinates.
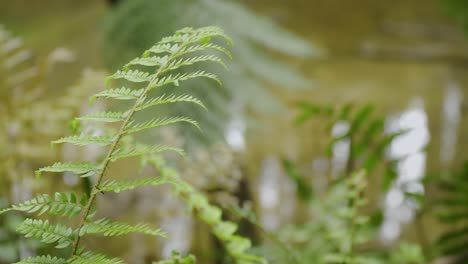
(83, 169)
(107, 227)
(83, 140)
(148, 61)
(46, 232)
(122, 93)
(42, 260)
(95, 258)
(108, 117)
(117, 186)
(132, 76)
(175, 79)
(202, 47)
(192, 60)
(142, 150)
(134, 127)
(163, 99)
(64, 204)
(235, 245)
(69, 205)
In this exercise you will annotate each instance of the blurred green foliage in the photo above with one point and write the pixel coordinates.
(451, 208)
(135, 24)
(458, 9)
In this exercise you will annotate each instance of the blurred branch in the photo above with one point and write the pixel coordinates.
(422, 30)
(427, 53)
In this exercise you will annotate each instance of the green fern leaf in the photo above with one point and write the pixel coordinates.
(46, 232)
(83, 169)
(107, 227)
(238, 245)
(175, 64)
(149, 61)
(94, 258)
(64, 204)
(163, 99)
(134, 76)
(83, 140)
(203, 47)
(122, 93)
(175, 79)
(141, 150)
(161, 48)
(117, 186)
(108, 117)
(42, 260)
(210, 214)
(133, 127)
(225, 230)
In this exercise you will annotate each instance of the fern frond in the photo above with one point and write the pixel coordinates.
(83, 140)
(46, 232)
(83, 169)
(175, 79)
(188, 35)
(130, 184)
(141, 150)
(120, 148)
(134, 76)
(42, 260)
(122, 93)
(94, 258)
(163, 99)
(134, 127)
(107, 117)
(107, 227)
(64, 204)
(236, 246)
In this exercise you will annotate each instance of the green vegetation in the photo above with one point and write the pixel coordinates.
(212, 144)
(161, 60)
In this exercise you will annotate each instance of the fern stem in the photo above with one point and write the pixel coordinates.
(112, 148)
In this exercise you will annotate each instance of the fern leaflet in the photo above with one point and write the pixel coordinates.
(42, 260)
(46, 232)
(108, 228)
(83, 169)
(117, 186)
(83, 140)
(134, 127)
(64, 204)
(163, 99)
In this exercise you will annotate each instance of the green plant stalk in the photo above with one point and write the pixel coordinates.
(107, 160)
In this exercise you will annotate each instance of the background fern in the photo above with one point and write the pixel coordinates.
(450, 208)
(23, 88)
(252, 73)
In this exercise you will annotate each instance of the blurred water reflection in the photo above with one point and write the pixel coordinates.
(408, 149)
(451, 115)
